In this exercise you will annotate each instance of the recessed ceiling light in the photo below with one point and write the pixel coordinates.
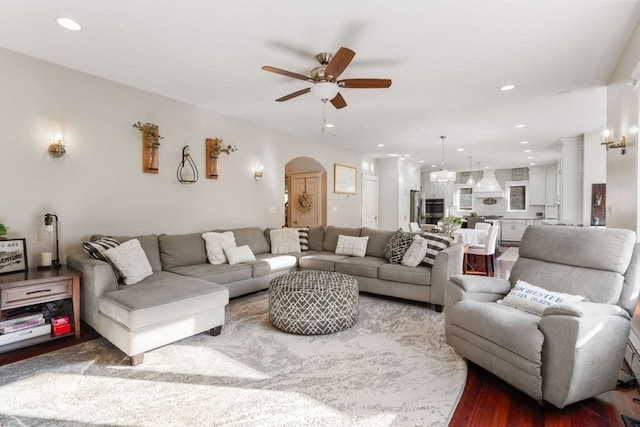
(69, 24)
(527, 151)
(506, 88)
(486, 167)
(524, 142)
(521, 125)
(407, 155)
(329, 125)
(460, 149)
(401, 158)
(433, 166)
(532, 164)
(380, 145)
(530, 158)
(394, 154)
(421, 161)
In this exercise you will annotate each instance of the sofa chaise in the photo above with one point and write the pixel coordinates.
(186, 295)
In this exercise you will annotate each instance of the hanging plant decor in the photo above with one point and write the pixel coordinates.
(150, 146)
(215, 147)
(304, 202)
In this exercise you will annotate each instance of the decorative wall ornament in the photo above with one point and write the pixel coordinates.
(305, 201)
(489, 201)
(150, 146)
(187, 172)
(214, 148)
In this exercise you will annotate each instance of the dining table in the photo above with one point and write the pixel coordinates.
(470, 236)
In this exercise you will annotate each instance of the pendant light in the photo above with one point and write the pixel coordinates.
(470, 180)
(442, 176)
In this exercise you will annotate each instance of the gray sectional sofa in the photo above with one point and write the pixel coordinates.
(187, 295)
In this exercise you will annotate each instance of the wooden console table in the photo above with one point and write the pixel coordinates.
(33, 287)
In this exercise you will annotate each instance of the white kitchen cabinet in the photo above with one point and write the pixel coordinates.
(537, 187)
(434, 190)
(551, 187)
(543, 187)
(512, 229)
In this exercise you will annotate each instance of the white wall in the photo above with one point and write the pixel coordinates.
(99, 187)
(571, 180)
(623, 115)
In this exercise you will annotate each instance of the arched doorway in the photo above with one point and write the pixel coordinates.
(305, 178)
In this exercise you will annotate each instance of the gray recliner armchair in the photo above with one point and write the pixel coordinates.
(571, 351)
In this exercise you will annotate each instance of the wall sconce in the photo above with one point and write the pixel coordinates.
(607, 139)
(57, 150)
(257, 173)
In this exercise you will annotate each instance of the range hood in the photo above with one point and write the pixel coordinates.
(488, 186)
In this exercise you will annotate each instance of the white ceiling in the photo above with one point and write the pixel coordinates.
(447, 60)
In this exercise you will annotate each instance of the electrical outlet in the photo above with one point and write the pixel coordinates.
(272, 209)
(608, 209)
(335, 209)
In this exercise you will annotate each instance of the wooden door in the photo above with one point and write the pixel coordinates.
(370, 201)
(311, 185)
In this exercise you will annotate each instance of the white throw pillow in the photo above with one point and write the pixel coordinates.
(284, 240)
(416, 252)
(534, 299)
(130, 260)
(352, 246)
(215, 242)
(238, 254)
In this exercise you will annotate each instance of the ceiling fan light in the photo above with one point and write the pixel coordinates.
(324, 91)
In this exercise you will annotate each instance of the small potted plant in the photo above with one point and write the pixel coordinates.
(3, 232)
(450, 224)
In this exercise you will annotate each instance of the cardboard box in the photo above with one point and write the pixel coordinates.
(60, 329)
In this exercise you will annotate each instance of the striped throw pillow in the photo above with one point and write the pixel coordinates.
(435, 243)
(96, 249)
(303, 232)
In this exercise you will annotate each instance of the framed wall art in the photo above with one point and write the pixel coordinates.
(344, 179)
(13, 255)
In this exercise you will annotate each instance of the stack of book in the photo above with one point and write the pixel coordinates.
(22, 328)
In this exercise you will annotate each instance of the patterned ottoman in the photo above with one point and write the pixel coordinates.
(312, 302)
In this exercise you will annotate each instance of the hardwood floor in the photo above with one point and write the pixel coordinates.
(489, 401)
(486, 400)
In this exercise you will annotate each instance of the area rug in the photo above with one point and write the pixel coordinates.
(510, 254)
(392, 368)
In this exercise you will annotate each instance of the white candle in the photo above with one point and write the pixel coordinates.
(46, 259)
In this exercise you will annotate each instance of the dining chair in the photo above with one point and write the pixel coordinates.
(487, 250)
(472, 221)
(483, 226)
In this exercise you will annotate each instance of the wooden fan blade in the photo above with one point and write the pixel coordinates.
(294, 94)
(287, 73)
(338, 63)
(339, 102)
(365, 83)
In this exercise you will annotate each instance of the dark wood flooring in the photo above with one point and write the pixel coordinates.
(486, 400)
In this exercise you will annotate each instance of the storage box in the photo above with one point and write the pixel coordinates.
(60, 329)
(25, 334)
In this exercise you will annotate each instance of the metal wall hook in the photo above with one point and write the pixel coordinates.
(187, 172)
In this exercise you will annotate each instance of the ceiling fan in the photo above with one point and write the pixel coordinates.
(325, 78)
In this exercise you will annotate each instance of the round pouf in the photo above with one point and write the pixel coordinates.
(313, 302)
